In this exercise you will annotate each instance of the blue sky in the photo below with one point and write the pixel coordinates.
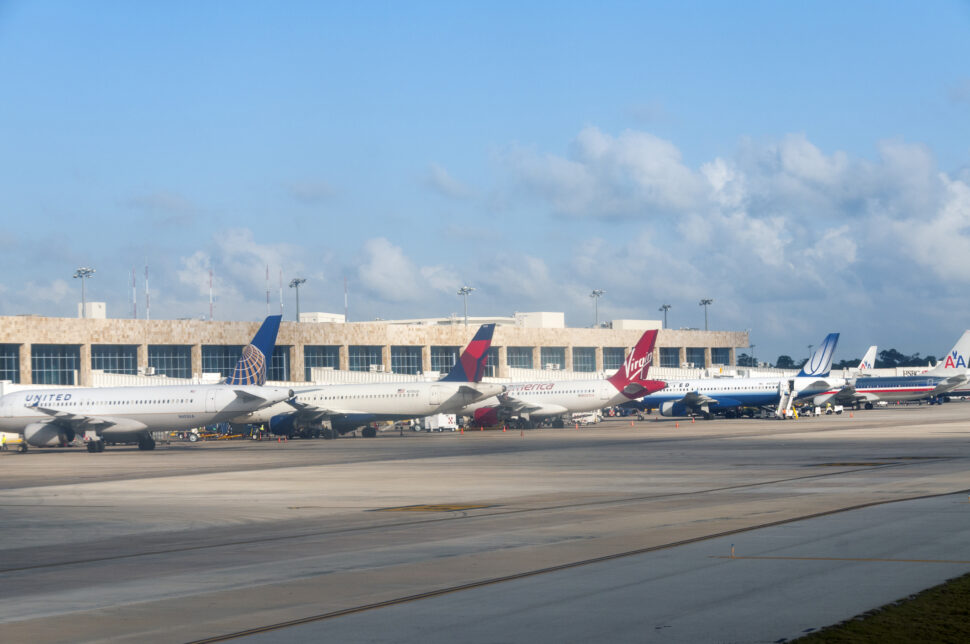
(807, 165)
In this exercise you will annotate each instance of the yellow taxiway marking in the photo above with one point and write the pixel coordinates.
(943, 561)
(434, 508)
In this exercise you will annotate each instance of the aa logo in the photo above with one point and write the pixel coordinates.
(954, 361)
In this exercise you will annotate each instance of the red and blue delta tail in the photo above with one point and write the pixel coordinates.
(471, 365)
(252, 365)
(631, 378)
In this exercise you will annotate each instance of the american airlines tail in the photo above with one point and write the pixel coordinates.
(955, 362)
(868, 360)
(820, 362)
(471, 365)
(252, 365)
(631, 378)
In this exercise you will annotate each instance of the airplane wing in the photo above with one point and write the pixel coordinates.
(314, 413)
(472, 390)
(77, 422)
(81, 422)
(517, 406)
(949, 384)
(697, 400)
(847, 395)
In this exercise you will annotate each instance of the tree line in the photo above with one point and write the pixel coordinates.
(886, 359)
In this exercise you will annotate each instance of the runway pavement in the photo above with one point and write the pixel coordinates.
(207, 540)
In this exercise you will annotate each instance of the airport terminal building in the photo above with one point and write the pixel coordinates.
(67, 351)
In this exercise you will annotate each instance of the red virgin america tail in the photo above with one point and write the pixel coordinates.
(631, 378)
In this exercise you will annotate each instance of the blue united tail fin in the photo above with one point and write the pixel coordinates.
(252, 365)
(820, 362)
(471, 365)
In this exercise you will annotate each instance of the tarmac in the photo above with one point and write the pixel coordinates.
(621, 532)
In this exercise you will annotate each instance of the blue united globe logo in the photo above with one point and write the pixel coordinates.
(251, 368)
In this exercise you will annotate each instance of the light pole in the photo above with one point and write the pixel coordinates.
(664, 308)
(705, 303)
(464, 291)
(295, 283)
(597, 292)
(753, 359)
(82, 274)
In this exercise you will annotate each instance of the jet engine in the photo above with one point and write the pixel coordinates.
(283, 424)
(673, 408)
(47, 435)
(486, 417)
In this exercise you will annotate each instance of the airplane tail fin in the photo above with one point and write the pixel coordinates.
(631, 378)
(471, 365)
(254, 362)
(820, 362)
(868, 360)
(955, 362)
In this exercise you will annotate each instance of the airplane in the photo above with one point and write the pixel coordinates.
(348, 407)
(530, 401)
(707, 396)
(52, 417)
(949, 374)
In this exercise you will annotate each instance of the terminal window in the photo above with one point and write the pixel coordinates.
(220, 359)
(444, 358)
(519, 357)
(612, 358)
(406, 360)
(361, 357)
(491, 365)
(279, 364)
(115, 358)
(319, 356)
(553, 357)
(669, 356)
(55, 364)
(695, 355)
(584, 359)
(172, 360)
(10, 362)
(720, 355)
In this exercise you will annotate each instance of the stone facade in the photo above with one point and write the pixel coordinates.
(25, 331)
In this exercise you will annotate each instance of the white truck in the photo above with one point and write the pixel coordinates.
(441, 423)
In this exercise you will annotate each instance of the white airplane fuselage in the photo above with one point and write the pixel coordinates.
(727, 393)
(378, 401)
(53, 416)
(553, 398)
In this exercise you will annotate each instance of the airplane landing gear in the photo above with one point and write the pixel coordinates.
(146, 443)
(95, 446)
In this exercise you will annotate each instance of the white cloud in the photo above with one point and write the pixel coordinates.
(56, 291)
(634, 174)
(939, 241)
(388, 274)
(443, 183)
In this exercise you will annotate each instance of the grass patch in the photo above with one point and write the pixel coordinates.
(938, 614)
